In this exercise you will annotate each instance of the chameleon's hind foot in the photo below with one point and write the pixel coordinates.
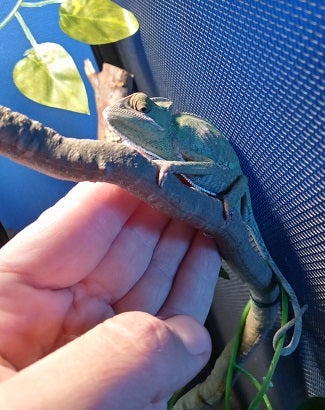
(237, 199)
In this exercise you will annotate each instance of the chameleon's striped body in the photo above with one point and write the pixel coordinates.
(187, 145)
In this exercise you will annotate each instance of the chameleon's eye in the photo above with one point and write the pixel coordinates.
(143, 108)
(140, 102)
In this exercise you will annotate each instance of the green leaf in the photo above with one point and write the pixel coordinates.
(49, 76)
(96, 21)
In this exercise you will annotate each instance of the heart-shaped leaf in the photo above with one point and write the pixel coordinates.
(49, 76)
(96, 21)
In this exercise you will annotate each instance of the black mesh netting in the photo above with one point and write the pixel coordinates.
(255, 69)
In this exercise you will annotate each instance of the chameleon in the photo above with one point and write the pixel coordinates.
(193, 149)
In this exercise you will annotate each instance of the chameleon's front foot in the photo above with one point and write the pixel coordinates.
(164, 170)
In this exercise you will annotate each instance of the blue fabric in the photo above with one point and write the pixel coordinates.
(255, 69)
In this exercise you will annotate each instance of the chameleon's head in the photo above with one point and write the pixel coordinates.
(141, 121)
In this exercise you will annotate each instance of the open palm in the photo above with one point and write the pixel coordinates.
(97, 253)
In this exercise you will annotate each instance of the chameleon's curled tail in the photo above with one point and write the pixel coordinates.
(298, 311)
(297, 322)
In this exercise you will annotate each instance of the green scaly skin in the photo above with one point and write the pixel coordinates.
(190, 147)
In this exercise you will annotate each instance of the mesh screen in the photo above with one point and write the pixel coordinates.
(255, 69)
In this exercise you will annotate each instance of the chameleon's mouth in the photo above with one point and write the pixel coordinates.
(141, 150)
(120, 138)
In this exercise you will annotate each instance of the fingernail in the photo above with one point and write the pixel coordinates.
(193, 335)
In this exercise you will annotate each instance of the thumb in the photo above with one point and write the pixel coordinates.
(130, 361)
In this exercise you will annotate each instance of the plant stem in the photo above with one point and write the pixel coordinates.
(267, 381)
(11, 15)
(40, 3)
(256, 384)
(26, 30)
(232, 364)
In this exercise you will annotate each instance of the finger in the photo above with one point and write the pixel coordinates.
(131, 252)
(69, 239)
(6, 369)
(132, 358)
(194, 284)
(152, 289)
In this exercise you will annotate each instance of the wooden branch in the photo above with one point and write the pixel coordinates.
(30, 143)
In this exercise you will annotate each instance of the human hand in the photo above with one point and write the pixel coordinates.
(101, 301)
